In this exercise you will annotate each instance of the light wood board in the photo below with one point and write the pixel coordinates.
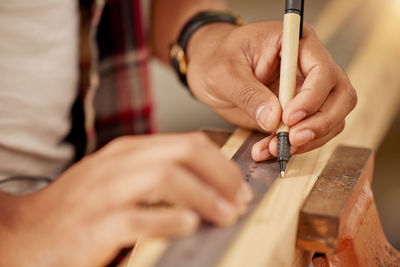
(333, 16)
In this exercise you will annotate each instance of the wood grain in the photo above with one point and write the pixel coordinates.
(348, 231)
(234, 142)
(327, 208)
(333, 17)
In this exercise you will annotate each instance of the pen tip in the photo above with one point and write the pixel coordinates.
(282, 174)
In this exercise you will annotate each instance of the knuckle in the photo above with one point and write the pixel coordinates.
(353, 97)
(164, 174)
(137, 223)
(248, 98)
(215, 72)
(327, 125)
(341, 127)
(309, 27)
(191, 143)
(331, 73)
(213, 201)
(313, 103)
(118, 143)
(197, 139)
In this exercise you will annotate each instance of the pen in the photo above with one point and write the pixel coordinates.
(292, 32)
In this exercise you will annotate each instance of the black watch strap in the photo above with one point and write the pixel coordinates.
(178, 49)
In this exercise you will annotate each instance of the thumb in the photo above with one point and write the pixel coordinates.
(257, 100)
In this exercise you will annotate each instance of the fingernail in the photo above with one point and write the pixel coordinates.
(244, 195)
(263, 116)
(304, 137)
(190, 223)
(296, 117)
(227, 213)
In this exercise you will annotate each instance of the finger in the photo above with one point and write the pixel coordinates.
(123, 227)
(336, 107)
(128, 185)
(319, 70)
(237, 117)
(312, 52)
(319, 81)
(273, 147)
(197, 153)
(200, 155)
(273, 144)
(254, 98)
(176, 184)
(184, 188)
(260, 150)
(321, 141)
(162, 222)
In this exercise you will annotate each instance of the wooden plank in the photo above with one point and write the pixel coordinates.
(337, 11)
(344, 43)
(337, 190)
(234, 142)
(374, 74)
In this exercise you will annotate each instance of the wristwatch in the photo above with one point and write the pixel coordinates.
(177, 52)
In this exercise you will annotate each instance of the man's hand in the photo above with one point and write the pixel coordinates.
(235, 70)
(100, 204)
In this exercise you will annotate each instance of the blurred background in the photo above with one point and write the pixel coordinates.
(177, 111)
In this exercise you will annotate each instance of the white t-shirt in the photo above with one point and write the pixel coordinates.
(38, 84)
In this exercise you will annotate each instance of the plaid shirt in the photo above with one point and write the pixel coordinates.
(114, 93)
(115, 96)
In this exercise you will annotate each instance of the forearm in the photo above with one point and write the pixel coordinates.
(9, 208)
(169, 16)
(10, 214)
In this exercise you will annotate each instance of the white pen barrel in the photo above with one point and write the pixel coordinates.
(289, 54)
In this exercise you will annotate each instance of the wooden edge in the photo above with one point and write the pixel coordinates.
(329, 211)
(234, 142)
(147, 252)
(354, 212)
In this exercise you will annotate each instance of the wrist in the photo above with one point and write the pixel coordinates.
(178, 51)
